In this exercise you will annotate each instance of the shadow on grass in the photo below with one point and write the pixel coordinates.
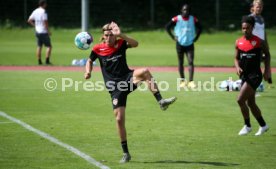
(191, 162)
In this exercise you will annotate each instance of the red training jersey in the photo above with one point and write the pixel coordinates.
(249, 51)
(112, 60)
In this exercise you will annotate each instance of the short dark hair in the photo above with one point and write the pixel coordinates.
(42, 2)
(248, 19)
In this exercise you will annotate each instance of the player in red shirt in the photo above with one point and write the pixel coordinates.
(248, 55)
(119, 79)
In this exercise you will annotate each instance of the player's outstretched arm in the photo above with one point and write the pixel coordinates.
(88, 69)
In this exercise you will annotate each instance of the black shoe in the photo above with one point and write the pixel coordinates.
(39, 62)
(164, 103)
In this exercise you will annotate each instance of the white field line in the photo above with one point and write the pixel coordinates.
(5, 122)
(56, 141)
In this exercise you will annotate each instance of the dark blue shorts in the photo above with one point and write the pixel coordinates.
(43, 38)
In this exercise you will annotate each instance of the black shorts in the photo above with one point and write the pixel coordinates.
(184, 49)
(119, 94)
(253, 79)
(43, 38)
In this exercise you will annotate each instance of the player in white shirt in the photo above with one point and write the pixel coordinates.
(39, 20)
(259, 27)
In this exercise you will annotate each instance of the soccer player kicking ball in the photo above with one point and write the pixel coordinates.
(248, 55)
(119, 79)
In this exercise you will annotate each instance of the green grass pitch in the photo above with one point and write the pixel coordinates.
(198, 131)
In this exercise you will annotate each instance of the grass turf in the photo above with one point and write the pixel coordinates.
(155, 48)
(198, 131)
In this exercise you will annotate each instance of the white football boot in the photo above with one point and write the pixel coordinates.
(262, 130)
(245, 130)
(126, 158)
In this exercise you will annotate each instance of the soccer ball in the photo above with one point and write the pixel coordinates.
(83, 40)
(237, 85)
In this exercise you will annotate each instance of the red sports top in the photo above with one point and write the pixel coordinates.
(112, 60)
(249, 51)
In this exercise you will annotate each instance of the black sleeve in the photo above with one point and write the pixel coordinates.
(93, 56)
(169, 26)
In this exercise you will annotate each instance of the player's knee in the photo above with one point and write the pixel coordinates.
(191, 63)
(119, 119)
(49, 48)
(145, 70)
(118, 116)
(240, 101)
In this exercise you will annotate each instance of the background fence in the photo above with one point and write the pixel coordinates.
(222, 14)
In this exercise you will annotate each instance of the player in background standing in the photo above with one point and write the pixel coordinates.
(259, 27)
(119, 79)
(185, 29)
(247, 61)
(39, 19)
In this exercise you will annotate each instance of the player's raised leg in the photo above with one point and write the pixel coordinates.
(144, 74)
